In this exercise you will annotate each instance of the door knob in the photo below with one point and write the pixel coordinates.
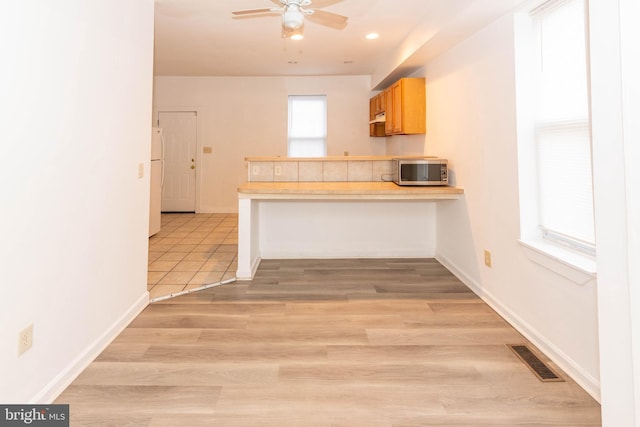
(193, 166)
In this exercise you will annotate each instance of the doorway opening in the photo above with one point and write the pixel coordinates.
(180, 159)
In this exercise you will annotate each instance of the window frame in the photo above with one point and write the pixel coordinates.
(322, 136)
(570, 257)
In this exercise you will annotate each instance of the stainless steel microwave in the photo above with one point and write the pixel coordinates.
(420, 171)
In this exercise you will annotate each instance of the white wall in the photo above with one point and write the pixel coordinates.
(74, 216)
(471, 120)
(347, 229)
(615, 94)
(247, 116)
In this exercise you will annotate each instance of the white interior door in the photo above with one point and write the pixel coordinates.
(179, 130)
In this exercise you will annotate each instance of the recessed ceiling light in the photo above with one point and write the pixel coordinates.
(372, 36)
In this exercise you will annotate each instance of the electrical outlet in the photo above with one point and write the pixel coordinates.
(487, 258)
(25, 339)
(140, 170)
(346, 153)
(278, 170)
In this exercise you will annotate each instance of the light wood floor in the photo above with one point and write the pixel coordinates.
(323, 343)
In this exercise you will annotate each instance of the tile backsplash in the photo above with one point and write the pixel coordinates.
(360, 170)
(261, 171)
(335, 171)
(310, 172)
(330, 170)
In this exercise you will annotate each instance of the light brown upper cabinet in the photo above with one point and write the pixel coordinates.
(406, 110)
(404, 105)
(376, 106)
(379, 103)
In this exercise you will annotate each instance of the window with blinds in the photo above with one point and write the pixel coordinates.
(307, 126)
(562, 125)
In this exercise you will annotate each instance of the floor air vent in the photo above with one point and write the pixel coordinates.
(537, 366)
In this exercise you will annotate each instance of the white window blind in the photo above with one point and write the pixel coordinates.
(307, 126)
(562, 125)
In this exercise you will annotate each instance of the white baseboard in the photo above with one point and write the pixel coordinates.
(325, 254)
(229, 210)
(590, 384)
(242, 275)
(80, 363)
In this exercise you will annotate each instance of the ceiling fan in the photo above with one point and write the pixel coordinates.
(293, 13)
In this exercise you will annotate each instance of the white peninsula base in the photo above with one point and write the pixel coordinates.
(335, 220)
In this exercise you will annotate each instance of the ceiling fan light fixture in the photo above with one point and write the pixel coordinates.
(292, 18)
(297, 36)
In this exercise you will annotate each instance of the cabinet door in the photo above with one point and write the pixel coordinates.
(380, 107)
(372, 108)
(375, 129)
(396, 94)
(388, 98)
(414, 114)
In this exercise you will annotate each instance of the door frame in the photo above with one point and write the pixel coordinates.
(169, 109)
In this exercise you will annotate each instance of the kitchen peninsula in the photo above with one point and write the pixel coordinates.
(333, 207)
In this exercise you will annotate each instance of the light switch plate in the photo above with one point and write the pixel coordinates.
(487, 258)
(25, 339)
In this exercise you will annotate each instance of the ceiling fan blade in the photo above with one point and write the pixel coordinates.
(328, 19)
(279, 2)
(316, 4)
(250, 11)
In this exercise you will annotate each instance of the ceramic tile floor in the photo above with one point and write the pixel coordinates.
(192, 250)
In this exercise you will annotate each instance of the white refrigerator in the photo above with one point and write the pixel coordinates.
(157, 180)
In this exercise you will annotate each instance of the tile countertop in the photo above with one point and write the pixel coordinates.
(345, 190)
(329, 158)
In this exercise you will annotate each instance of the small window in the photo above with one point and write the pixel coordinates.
(561, 125)
(307, 126)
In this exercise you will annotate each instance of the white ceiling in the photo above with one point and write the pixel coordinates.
(203, 38)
